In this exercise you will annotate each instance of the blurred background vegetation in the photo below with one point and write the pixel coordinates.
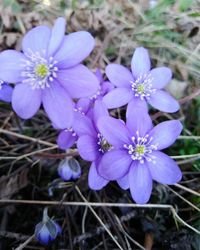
(170, 30)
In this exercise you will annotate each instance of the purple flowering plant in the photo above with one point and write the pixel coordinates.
(136, 156)
(48, 71)
(140, 85)
(47, 230)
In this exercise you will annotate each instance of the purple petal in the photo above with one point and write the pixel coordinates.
(65, 173)
(79, 81)
(69, 169)
(95, 181)
(117, 97)
(66, 139)
(140, 63)
(6, 93)
(124, 182)
(58, 105)
(106, 87)
(138, 120)
(114, 131)
(119, 75)
(57, 36)
(114, 164)
(160, 77)
(99, 75)
(25, 100)
(164, 134)
(99, 110)
(58, 228)
(164, 170)
(37, 40)
(83, 105)
(82, 125)
(44, 236)
(140, 182)
(88, 148)
(74, 49)
(163, 101)
(136, 103)
(11, 62)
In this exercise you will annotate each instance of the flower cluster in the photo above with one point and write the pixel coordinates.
(48, 71)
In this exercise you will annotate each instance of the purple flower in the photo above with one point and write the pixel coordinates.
(92, 145)
(49, 72)
(141, 86)
(47, 230)
(68, 136)
(104, 88)
(69, 169)
(136, 156)
(5, 92)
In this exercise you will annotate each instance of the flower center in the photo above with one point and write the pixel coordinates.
(141, 148)
(38, 70)
(104, 146)
(142, 87)
(41, 70)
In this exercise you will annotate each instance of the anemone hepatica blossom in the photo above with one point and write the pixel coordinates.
(5, 92)
(92, 145)
(69, 169)
(104, 88)
(142, 85)
(47, 230)
(136, 156)
(49, 72)
(68, 136)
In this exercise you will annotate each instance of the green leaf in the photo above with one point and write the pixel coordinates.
(185, 4)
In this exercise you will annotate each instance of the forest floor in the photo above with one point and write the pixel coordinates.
(29, 156)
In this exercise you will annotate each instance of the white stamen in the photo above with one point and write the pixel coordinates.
(142, 86)
(38, 78)
(141, 148)
(103, 144)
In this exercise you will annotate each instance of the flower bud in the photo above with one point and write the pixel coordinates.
(69, 169)
(47, 230)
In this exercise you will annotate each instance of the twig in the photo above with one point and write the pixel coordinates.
(16, 236)
(182, 198)
(23, 245)
(99, 219)
(127, 235)
(188, 160)
(99, 204)
(184, 156)
(101, 229)
(187, 189)
(35, 152)
(188, 137)
(25, 137)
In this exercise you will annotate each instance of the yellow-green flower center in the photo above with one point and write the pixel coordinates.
(140, 149)
(41, 70)
(140, 88)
